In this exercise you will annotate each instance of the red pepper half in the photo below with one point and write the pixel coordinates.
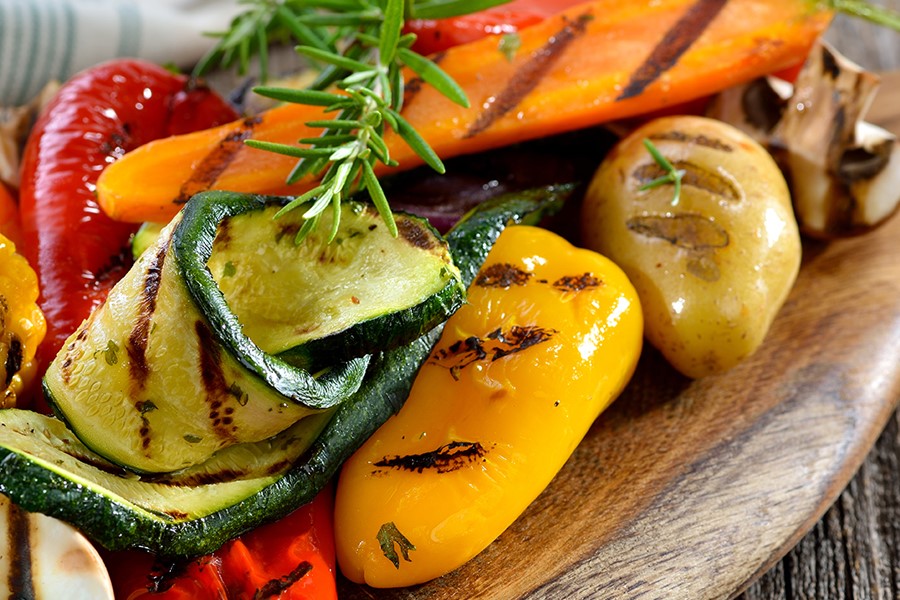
(291, 559)
(436, 35)
(97, 116)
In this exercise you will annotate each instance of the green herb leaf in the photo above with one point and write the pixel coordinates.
(509, 45)
(362, 50)
(880, 15)
(390, 31)
(388, 536)
(376, 192)
(442, 9)
(417, 143)
(334, 59)
(111, 354)
(434, 76)
(295, 96)
(673, 175)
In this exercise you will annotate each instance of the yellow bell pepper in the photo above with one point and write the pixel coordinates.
(22, 325)
(548, 338)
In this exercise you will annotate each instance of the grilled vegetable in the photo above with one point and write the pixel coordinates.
(22, 325)
(94, 118)
(195, 511)
(549, 337)
(843, 172)
(676, 50)
(209, 340)
(290, 559)
(714, 265)
(46, 558)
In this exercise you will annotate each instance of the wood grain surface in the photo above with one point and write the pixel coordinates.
(853, 552)
(693, 489)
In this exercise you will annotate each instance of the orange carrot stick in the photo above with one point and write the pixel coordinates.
(595, 62)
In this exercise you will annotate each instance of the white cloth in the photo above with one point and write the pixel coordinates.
(42, 40)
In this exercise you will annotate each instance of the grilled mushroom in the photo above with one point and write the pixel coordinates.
(844, 173)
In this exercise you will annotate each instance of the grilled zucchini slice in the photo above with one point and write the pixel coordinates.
(210, 340)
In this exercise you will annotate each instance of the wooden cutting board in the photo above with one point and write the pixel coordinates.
(691, 489)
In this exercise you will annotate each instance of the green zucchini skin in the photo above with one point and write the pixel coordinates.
(346, 351)
(381, 394)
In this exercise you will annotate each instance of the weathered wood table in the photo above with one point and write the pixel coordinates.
(854, 550)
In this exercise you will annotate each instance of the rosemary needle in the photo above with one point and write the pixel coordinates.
(671, 174)
(362, 49)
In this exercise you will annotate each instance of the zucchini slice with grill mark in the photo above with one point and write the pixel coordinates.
(170, 370)
(362, 292)
(35, 475)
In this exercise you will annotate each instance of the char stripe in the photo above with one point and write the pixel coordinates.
(213, 164)
(529, 75)
(21, 582)
(677, 40)
(140, 334)
(213, 378)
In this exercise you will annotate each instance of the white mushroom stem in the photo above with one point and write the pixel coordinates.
(843, 172)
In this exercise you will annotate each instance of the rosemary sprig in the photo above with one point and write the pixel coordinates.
(880, 15)
(672, 175)
(360, 45)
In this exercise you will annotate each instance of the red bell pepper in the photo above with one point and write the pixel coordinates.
(97, 116)
(291, 559)
(436, 35)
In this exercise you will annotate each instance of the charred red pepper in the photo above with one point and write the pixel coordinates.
(291, 559)
(436, 35)
(97, 116)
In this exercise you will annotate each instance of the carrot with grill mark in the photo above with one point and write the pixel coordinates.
(592, 63)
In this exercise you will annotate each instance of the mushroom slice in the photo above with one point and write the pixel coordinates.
(43, 557)
(844, 173)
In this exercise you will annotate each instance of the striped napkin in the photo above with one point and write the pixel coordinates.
(43, 40)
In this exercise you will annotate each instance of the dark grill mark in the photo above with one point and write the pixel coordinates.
(688, 231)
(223, 234)
(214, 163)
(144, 433)
(21, 584)
(13, 359)
(577, 283)
(694, 176)
(686, 138)
(118, 142)
(275, 587)
(529, 75)
(113, 270)
(502, 275)
(197, 479)
(447, 458)
(494, 346)
(415, 234)
(213, 378)
(176, 515)
(675, 42)
(140, 333)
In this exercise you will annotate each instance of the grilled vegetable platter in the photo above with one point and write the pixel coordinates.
(353, 330)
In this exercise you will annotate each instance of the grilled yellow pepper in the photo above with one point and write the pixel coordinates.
(22, 325)
(549, 337)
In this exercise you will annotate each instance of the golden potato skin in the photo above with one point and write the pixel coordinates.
(713, 268)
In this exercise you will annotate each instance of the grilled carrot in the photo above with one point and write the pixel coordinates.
(592, 63)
